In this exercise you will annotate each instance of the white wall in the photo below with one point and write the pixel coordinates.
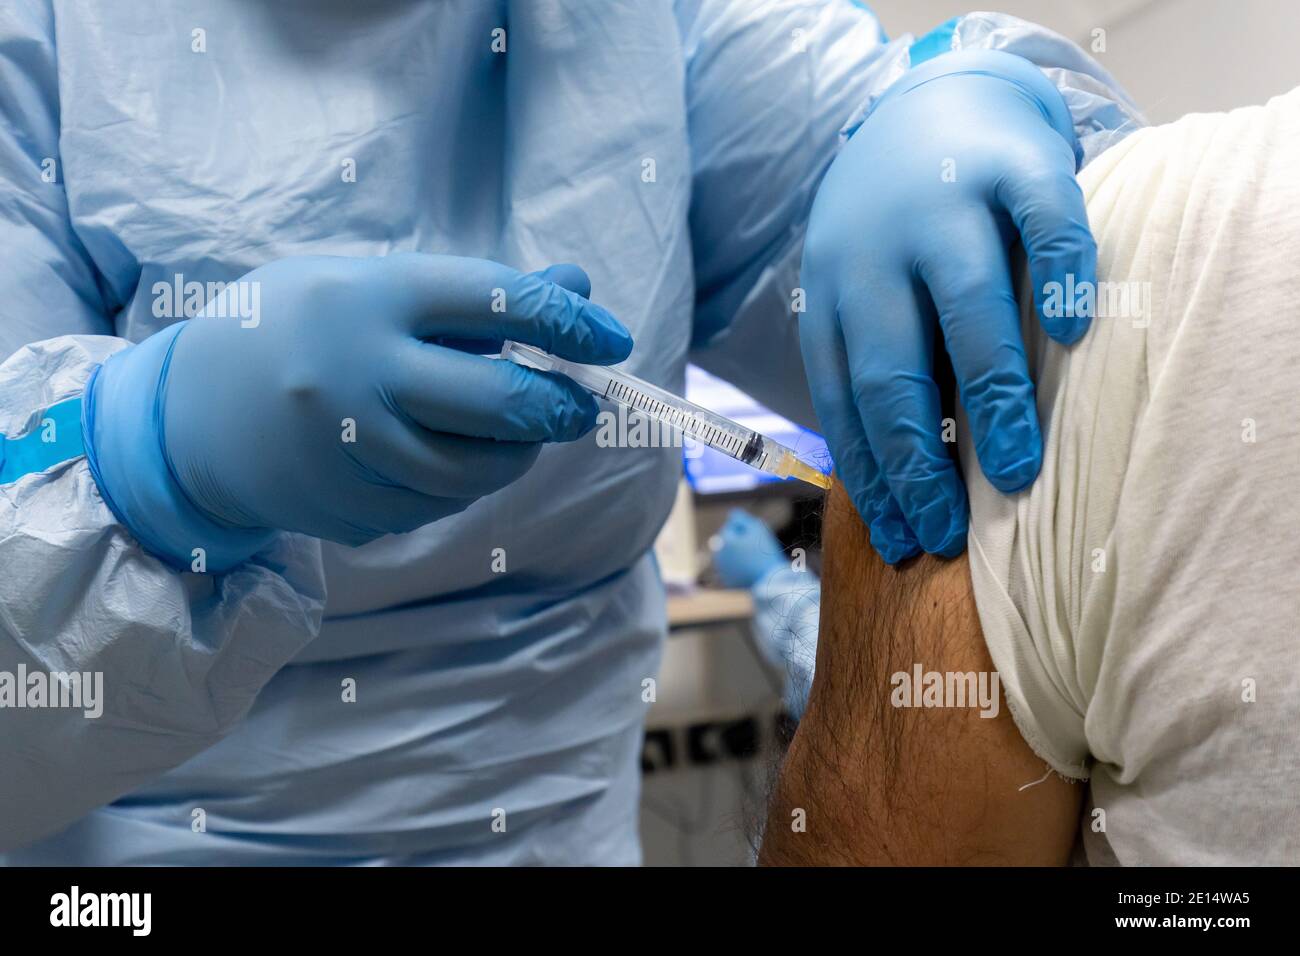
(1174, 56)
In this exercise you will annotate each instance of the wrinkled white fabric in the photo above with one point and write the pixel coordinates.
(1139, 600)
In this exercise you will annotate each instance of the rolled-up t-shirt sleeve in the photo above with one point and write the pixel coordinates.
(1138, 599)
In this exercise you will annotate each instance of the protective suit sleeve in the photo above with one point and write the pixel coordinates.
(1102, 112)
(48, 286)
(769, 84)
(113, 667)
(176, 658)
(773, 88)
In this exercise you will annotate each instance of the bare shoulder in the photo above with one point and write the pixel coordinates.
(907, 754)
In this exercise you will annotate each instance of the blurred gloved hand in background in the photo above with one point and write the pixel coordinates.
(745, 550)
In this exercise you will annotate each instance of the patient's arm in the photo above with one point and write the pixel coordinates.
(881, 784)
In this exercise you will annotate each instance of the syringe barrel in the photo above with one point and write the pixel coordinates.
(695, 421)
(650, 400)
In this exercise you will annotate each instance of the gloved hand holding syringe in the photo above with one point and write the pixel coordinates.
(729, 437)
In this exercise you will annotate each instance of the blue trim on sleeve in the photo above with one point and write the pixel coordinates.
(937, 41)
(55, 439)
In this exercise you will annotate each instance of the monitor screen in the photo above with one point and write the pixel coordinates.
(711, 472)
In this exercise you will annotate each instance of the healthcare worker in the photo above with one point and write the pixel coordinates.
(787, 600)
(381, 185)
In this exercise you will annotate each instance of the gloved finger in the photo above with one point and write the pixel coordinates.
(890, 349)
(891, 535)
(478, 299)
(574, 278)
(738, 518)
(741, 524)
(390, 510)
(444, 390)
(472, 346)
(821, 341)
(980, 318)
(564, 274)
(564, 323)
(744, 530)
(439, 465)
(1047, 207)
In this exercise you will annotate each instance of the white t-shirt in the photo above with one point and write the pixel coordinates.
(1142, 600)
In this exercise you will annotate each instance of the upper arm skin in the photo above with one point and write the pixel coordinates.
(890, 785)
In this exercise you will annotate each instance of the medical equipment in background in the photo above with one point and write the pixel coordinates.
(711, 473)
(708, 428)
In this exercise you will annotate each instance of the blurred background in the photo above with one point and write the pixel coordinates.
(727, 695)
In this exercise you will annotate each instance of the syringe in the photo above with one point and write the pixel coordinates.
(730, 438)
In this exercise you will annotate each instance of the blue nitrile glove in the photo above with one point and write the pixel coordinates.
(334, 410)
(744, 550)
(914, 223)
